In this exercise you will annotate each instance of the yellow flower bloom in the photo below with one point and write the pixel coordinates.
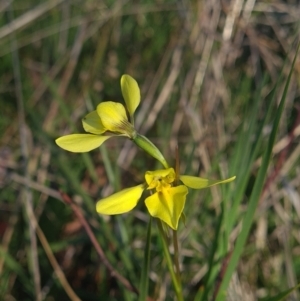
(110, 120)
(166, 202)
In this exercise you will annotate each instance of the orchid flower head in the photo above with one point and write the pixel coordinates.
(109, 120)
(166, 201)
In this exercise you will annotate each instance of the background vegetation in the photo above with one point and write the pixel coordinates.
(211, 74)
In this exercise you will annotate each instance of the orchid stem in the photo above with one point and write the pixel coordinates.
(176, 256)
(175, 280)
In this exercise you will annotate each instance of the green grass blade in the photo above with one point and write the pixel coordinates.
(176, 284)
(212, 266)
(144, 283)
(240, 166)
(281, 296)
(243, 164)
(256, 192)
(16, 268)
(108, 167)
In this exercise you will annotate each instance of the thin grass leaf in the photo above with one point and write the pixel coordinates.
(108, 166)
(176, 284)
(15, 267)
(281, 296)
(256, 192)
(74, 182)
(243, 165)
(212, 266)
(240, 166)
(144, 283)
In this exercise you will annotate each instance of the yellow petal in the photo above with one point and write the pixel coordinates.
(130, 92)
(93, 124)
(120, 202)
(80, 143)
(114, 118)
(199, 183)
(168, 204)
(152, 176)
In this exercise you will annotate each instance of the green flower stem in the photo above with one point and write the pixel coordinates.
(144, 282)
(176, 283)
(145, 144)
(176, 256)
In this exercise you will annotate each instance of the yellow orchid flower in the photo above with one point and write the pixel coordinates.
(110, 120)
(166, 202)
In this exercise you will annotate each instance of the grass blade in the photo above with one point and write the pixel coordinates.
(282, 295)
(257, 189)
(144, 284)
